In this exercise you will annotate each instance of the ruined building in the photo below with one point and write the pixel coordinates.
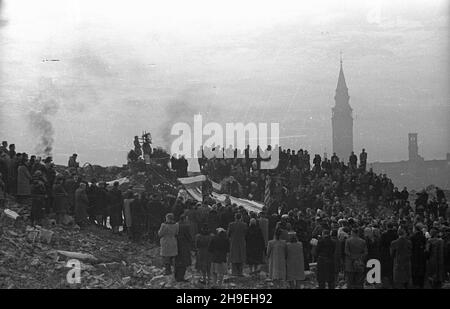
(416, 172)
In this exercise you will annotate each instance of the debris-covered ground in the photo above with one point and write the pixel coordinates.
(37, 258)
(29, 259)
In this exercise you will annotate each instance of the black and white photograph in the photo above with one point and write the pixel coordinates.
(223, 150)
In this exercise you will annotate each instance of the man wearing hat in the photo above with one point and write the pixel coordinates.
(326, 260)
(355, 254)
(237, 232)
(401, 251)
(73, 162)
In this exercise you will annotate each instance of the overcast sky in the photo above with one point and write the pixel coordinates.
(129, 66)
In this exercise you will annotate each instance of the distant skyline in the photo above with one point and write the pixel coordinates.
(126, 67)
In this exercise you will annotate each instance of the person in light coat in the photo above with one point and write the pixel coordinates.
(295, 271)
(276, 254)
(23, 181)
(168, 240)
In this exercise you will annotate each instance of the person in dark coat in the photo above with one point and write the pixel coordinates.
(435, 262)
(325, 261)
(92, 193)
(38, 193)
(12, 173)
(115, 200)
(4, 166)
(137, 217)
(219, 248)
(102, 204)
(50, 176)
(418, 257)
(213, 220)
(81, 205)
(203, 257)
(156, 212)
(70, 185)
(255, 245)
(355, 255)
(60, 200)
(178, 208)
(237, 232)
(184, 244)
(387, 263)
(273, 220)
(401, 251)
(2, 191)
(373, 244)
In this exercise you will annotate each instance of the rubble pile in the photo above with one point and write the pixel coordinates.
(37, 257)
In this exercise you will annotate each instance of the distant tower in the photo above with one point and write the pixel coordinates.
(342, 120)
(413, 147)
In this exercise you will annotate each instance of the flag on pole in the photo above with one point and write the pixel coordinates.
(267, 191)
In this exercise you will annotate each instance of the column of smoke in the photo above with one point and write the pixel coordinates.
(41, 125)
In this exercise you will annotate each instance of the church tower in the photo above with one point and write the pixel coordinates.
(342, 120)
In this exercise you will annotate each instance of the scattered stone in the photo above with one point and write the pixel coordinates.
(77, 255)
(46, 236)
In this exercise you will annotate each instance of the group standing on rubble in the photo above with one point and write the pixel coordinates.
(333, 215)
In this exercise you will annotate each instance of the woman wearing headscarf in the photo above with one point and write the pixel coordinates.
(255, 246)
(219, 248)
(168, 241)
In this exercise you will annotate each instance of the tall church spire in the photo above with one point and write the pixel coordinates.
(341, 85)
(342, 120)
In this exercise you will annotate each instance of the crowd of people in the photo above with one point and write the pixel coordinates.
(340, 214)
(334, 215)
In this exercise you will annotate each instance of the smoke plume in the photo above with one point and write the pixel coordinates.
(42, 127)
